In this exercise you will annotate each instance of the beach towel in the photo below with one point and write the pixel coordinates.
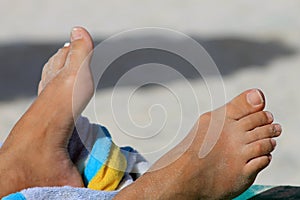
(105, 167)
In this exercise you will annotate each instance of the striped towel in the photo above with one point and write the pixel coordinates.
(105, 167)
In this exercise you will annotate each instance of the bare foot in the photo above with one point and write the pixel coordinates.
(241, 152)
(35, 152)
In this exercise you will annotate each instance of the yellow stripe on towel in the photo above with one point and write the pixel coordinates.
(111, 173)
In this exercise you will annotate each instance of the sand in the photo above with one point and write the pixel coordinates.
(254, 43)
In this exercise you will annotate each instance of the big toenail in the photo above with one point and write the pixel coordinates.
(76, 34)
(254, 98)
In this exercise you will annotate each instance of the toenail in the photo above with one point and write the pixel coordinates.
(270, 116)
(270, 157)
(254, 98)
(76, 34)
(67, 44)
(278, 128)
(273, 143)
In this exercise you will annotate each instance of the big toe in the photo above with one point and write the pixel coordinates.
(246, 103)
(78, 66)
(80, 49)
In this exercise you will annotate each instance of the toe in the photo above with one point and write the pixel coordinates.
(46, 68)
(80, 49)
(246, 103)
(52, 67)
(254, 166)
(77, 67)
(255, 120)
(55, 63)
(40, 87)
(60, 58)
(264, 132)
(259, 148)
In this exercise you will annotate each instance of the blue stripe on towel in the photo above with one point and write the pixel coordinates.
(15, 196)
(99, 154)
(252, 191)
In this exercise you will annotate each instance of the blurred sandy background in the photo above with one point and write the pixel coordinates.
(254, 43)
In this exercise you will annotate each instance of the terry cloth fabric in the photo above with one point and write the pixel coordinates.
(104, 166)
(65, 193)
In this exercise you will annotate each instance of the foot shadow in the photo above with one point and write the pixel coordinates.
(21, 63)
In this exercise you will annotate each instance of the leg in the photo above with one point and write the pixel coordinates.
(35, 152)
(241, 152)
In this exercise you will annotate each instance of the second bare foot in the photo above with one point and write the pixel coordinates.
(241, 152)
